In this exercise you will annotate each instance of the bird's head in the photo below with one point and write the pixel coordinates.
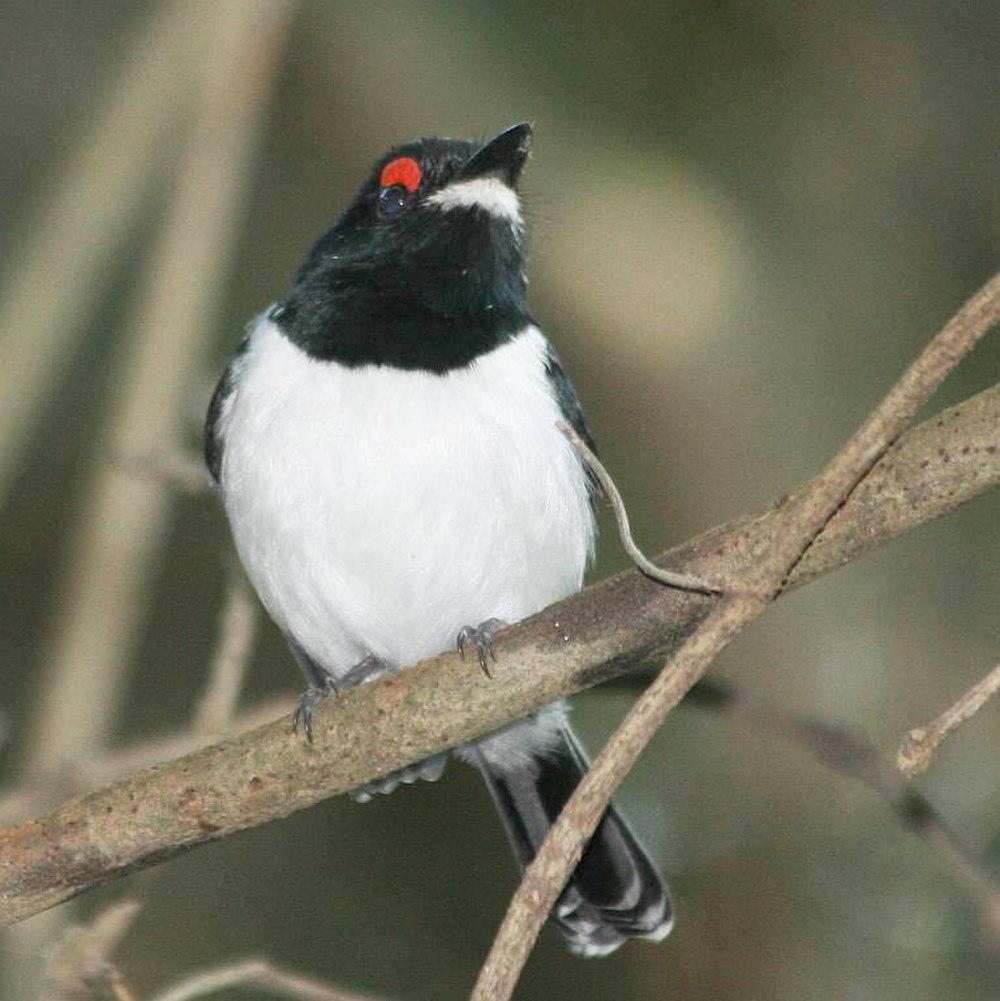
(425, 269)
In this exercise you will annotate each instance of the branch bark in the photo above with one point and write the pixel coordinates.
(90, 772)
(620, 624)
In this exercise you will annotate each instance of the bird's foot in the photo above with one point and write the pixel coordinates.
(480, 637)
(308, 700)
(365, 670)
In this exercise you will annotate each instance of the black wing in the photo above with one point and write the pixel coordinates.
(569, 404)
(214, 444)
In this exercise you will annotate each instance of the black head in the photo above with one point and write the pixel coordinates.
(425, 269)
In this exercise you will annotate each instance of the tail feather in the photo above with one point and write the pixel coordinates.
(615, 892)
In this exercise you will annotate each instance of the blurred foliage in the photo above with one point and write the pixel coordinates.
(746, 218)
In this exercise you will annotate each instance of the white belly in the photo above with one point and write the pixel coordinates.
(379, 511)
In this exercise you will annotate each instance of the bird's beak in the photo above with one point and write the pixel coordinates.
(502, 157)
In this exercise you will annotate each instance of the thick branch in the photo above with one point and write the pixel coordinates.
(617, 625)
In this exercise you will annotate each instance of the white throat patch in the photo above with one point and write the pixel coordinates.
(488, 193)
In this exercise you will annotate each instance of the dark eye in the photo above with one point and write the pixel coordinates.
(392, 200)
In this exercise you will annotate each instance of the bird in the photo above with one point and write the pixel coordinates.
(386, 447)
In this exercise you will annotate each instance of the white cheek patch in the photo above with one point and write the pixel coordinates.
(488, 193)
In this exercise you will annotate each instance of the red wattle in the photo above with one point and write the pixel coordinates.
(403, 170)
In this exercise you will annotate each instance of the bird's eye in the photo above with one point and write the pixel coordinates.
(399, 179)
(392, 200)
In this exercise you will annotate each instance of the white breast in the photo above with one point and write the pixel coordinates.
(379, 510)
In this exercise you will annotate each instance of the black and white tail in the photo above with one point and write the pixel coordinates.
(615, 892)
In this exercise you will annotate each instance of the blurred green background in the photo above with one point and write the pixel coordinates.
(746, 218)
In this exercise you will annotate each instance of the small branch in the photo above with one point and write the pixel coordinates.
(920, 744)
(624, 623)
(259, 974)
(682, 581)
(803, 520)
(237, 629)
(81, 960)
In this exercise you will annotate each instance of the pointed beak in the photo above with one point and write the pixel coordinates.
(502, 157)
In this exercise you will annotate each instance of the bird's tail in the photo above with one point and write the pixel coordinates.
(615, 892)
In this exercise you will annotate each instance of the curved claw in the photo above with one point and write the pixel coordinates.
(367, 669)
(482, 638)
(303, 715)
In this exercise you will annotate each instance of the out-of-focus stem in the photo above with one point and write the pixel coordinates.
(122, 519)
(257, 973)
(237, 628)
(64, 259)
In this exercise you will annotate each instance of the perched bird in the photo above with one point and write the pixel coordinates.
(386, 446)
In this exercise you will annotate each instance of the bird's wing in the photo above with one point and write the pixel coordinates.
(569, 404)
(214, 441)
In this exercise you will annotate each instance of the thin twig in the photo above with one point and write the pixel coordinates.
(804, 519)
(671, 578)
(624, 623)
(120, 990)
(237, 629)
(259, 974)
(920, 744)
